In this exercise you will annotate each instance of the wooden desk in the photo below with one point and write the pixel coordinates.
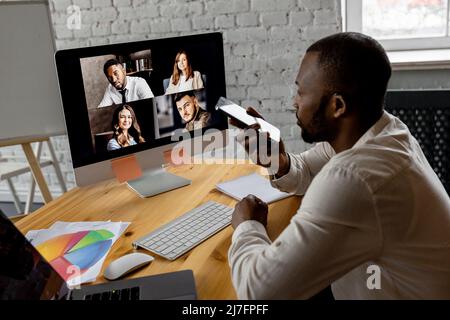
(113, 201)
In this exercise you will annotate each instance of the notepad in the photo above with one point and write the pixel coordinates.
(252, 184)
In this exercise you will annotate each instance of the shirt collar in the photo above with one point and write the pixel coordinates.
(127, 87)
(373, 130)
(128, 83)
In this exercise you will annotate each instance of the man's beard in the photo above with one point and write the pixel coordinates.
(317, 130)
(194, 116)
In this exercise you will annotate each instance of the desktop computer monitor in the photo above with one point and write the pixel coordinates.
(135, 98)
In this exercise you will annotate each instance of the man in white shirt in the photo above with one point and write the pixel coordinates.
(374, 220)
(122, 88)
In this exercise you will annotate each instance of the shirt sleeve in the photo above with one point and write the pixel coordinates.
(335, 230)
(205, 119)
(143, 89)
(113, 145)
(303, 168)
(106, 100)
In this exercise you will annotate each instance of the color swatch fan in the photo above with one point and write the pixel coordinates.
(77, 250)
(82, 249)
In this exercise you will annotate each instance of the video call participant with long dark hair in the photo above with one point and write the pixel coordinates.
(183, 78)
(126, 129)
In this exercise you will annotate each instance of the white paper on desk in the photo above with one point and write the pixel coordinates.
(93, 224)
(31, 235)
(252, 184)
(81, 244)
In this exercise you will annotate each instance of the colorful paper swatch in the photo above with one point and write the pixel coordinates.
(82, 249)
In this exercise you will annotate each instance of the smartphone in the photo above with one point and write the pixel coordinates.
(238, 113)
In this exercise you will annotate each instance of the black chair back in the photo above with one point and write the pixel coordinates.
(427, 115)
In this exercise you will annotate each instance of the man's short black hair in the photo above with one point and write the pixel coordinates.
(180, 95)
(109, 63)
(356, 67)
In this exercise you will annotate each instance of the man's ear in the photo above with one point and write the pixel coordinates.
(339, 105)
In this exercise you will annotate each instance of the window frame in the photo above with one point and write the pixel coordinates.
(352, 10)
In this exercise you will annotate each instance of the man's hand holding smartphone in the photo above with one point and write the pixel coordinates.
(283, 160)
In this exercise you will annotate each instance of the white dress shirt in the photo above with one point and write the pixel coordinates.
(137, 89)
(193, 83)
(377, 204)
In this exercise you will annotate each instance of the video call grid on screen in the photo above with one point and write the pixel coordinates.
(92, 100)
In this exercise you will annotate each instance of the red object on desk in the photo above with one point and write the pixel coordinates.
(126, 168)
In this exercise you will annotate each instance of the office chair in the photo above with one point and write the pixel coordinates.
(165, 83)
(101, 141)
(427, 115)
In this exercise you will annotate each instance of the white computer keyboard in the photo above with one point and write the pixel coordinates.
(187, 231)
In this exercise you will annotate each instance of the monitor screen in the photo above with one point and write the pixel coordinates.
(124, 98)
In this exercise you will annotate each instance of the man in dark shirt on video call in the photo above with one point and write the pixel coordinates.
(191, 112)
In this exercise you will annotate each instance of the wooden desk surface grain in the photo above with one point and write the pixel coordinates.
(114, 201)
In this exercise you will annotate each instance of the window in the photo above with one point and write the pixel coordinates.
(414, 31)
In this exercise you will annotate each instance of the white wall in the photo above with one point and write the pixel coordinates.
(264, 42)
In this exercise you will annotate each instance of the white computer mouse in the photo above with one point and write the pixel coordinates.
(125, 264)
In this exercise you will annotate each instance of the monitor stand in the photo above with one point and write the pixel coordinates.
(156, 181)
